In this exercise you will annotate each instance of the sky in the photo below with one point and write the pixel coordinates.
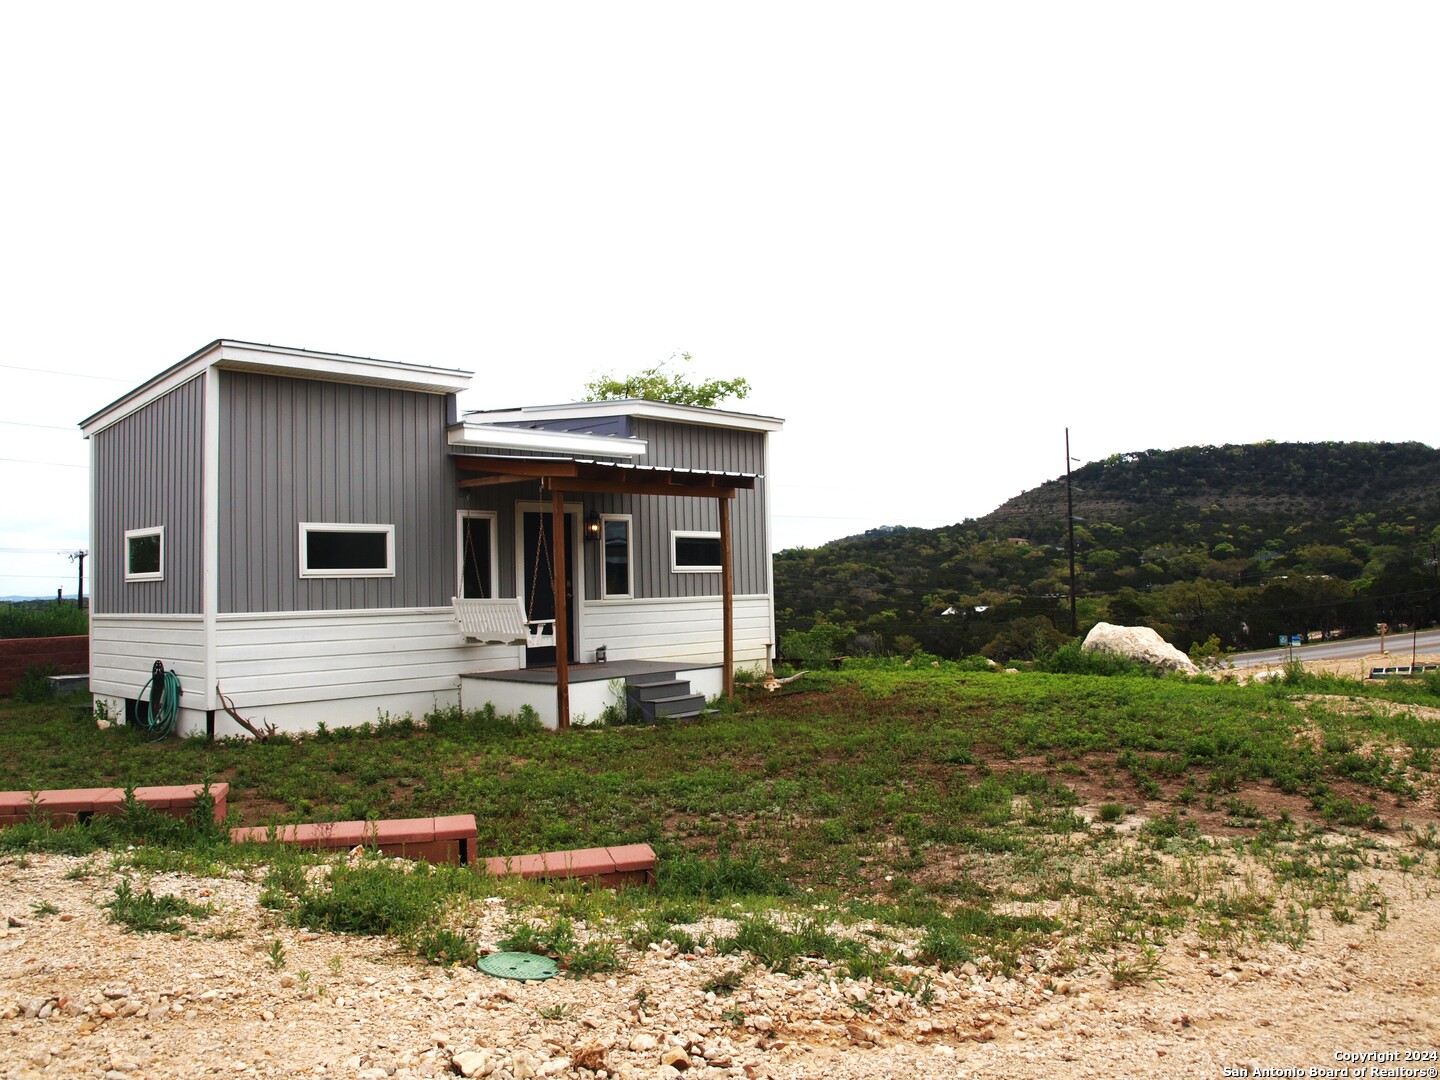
(932, 236)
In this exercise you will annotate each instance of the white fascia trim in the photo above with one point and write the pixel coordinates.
(353, 369)
(276, 360)
(140, 616)
(331, 613)
(645, 410)
(696, 601)
(554, 442)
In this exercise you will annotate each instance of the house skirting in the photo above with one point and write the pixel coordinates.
(343, 668)
(593, 688)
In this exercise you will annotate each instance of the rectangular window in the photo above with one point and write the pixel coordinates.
(345, 550)
(476, 576)
(615, 544)
(695, 552)
(145, 554)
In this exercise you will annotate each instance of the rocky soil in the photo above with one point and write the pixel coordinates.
(81, 998)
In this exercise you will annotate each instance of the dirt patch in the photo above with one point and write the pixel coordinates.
(80, 998)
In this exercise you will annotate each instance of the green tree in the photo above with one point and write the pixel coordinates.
(660, 382)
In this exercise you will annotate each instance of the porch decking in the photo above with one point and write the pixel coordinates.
(615, 669)
(590, 690)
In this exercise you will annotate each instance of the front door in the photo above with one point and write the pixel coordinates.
(539, 582)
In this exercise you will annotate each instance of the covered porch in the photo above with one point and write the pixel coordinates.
(560, 689)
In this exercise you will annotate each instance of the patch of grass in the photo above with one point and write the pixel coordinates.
(147, 913)
(726, 982)
(1136, 970)
(375, 897)
(445, 948)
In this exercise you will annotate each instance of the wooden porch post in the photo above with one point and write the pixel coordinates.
(727, 597)
(562, 623)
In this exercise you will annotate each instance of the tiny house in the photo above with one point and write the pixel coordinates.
(325, 538)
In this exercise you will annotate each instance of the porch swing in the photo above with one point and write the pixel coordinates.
(504, 620)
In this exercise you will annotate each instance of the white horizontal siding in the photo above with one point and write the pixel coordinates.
(265, 660)
(124, 648)
(687, 630)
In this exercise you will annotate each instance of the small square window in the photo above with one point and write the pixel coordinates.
(344, 550)
(145, 554)
(695, 552)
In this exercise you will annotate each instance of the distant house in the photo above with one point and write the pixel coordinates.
(293, 526)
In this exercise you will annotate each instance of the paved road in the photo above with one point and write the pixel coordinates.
(1398, 645)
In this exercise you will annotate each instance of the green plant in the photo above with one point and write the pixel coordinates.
(726, 982)
(562, 1011)
(147, 913)
(593, 958)
(1136, 970)
(1110, 812)
(276, 957)
(34, 686)
(43, 908)
(445, 948)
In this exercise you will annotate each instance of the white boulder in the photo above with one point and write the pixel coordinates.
(1138, 643)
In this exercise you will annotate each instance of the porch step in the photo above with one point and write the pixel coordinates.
(661, 696)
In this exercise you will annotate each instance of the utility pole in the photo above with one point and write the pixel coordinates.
(1070, 514)
(79, 556)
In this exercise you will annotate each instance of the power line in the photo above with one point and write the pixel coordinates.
(67, 374)
(47, 427)
(33, 461)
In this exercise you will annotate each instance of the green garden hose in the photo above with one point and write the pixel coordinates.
(164, 688)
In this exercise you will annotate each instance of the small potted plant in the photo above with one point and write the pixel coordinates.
(600, 654)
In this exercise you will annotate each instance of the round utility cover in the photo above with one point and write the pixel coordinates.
(527, 967)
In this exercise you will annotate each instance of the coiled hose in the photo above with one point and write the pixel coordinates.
(159, 720)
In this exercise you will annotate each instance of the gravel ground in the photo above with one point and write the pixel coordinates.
(79, 998)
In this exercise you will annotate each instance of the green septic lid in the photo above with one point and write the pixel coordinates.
(527, 967)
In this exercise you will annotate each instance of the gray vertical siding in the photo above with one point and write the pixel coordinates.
(655, 517)
(147, 473)
(294, 450)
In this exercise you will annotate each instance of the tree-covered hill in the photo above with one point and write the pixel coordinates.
(1240, 542)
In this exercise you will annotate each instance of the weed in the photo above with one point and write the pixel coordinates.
(1111, 811)
(562, 1011)
(276, 957)
(147, 913)
(43, 908)
(593, 958)
(1137, 970)
(445, 948)
(726, 982)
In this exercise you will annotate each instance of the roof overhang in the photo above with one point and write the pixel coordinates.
(552, 443)
(645, 410)
(291, 363)
(607, 477)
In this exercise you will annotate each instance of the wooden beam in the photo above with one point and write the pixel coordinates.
(516, 466)
(487, 481)
(613, 487)
(727, 599)
(562, 621)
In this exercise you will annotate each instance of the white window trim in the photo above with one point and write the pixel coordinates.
(135, 534)
(352, 527)
(691, 534)
(629, 593)
(460, 551)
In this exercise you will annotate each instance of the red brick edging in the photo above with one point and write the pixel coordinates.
(448, 839)
(66, 805)
(626, 864)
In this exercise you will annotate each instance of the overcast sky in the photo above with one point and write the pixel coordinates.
(930, 235)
